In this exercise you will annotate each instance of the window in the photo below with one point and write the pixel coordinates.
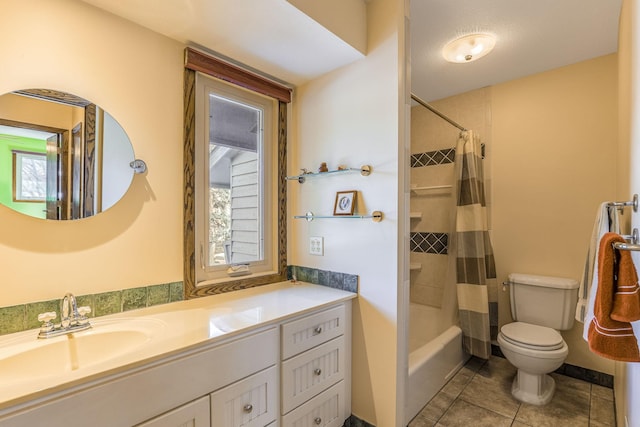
(29, 176)
(236, 151)
(235, 177)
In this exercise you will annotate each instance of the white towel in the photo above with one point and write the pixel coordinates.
(606, 220)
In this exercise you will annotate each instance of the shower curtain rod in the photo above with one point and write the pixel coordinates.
(436, 112)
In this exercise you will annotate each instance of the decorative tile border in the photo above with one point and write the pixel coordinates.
(427, 242)
(588, 375)
(433, 158)
(25, 316)
(342, 281)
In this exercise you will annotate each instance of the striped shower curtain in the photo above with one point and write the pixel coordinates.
(477, 288)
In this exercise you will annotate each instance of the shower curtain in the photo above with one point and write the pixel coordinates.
(476, 286)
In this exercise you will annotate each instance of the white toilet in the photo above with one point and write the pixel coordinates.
(540, 306)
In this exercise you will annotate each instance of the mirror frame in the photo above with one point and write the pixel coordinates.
(196, 61)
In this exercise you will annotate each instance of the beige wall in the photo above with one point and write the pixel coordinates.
(135, 75)
(29, 110)
(554, 148)
(352, 117)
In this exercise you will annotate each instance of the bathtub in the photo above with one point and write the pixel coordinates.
(435, 355)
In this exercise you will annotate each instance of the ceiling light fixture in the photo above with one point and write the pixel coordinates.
(468, 48)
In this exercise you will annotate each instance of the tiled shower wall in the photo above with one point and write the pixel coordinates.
(432, 147)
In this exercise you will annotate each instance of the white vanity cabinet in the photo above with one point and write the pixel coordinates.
(250, 402)
(292, 369)
(316, 369)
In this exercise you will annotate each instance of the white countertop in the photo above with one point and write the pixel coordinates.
(176, 328)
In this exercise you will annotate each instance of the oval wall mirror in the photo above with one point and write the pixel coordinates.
(61, 156)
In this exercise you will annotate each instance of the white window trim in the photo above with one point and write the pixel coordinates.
(269, 207)
(18, 157)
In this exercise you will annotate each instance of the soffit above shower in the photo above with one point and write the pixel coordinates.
(532, 36)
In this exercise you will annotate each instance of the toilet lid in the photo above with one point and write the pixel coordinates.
(532, 336)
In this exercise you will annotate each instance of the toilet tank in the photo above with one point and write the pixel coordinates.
(543, 300)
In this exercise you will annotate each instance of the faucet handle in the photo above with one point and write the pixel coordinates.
(82, 315)
(47, 317)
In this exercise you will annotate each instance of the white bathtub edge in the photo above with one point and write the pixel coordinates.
(430, 367)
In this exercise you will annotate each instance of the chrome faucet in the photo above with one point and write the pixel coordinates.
(68, 310)
(72, 318)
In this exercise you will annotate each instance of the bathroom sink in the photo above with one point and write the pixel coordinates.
(28, 358)
(234, 321)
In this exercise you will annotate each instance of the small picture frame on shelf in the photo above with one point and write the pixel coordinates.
(345, 203)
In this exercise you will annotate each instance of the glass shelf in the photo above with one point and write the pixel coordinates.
(364, 171)
(376, 216)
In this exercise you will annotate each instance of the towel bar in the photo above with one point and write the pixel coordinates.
(633, 246)
(633, 203)
(626, 246)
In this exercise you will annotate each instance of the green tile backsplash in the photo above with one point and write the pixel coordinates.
(25, 316)
(12, 319)
(332, 279)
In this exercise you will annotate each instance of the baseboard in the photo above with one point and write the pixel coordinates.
(354, 421)
(584, 374)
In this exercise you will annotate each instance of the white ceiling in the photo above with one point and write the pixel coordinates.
(278, 39)
(532, 36)
(272, 36)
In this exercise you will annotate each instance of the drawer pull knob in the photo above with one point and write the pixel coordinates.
(248, 408)
(317, 371)
(317, 330)
(317, 420)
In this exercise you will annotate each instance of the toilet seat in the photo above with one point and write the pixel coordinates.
(533, 337)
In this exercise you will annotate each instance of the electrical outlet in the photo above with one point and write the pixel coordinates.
(316, 246)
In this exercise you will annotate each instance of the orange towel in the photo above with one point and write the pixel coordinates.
(626, 297)
(616, 304)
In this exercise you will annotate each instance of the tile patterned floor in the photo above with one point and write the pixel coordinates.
(480, 395)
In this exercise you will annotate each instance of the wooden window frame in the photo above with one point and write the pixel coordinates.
(196, 61)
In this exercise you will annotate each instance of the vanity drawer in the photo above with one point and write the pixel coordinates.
(324, 410)
(195, 414)
(250, 402)
(311, 372)
(303, 334)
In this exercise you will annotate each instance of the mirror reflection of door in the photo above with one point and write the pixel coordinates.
(48, 141)
(89, 180)
(76, 171)
(57, 182)
(54, 210)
